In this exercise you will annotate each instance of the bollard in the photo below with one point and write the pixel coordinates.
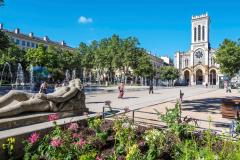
(103, 113)
(133, 116)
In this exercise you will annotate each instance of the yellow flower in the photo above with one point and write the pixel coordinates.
(11, 147)
(3, 146)
(11, 140)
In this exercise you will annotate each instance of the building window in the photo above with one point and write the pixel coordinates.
(212, 61)
(195, 34)
(17, 41)
(28, 44)
(23, 43)
(199, 32)
(203, 33)
(33, 45)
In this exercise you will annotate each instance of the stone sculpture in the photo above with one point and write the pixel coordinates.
(69, 98)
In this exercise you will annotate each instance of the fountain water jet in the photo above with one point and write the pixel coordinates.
(9, 70)
(67, 77)
(31, 83)
(74, 74)
(20, 77)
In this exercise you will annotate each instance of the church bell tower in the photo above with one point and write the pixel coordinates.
(200, 31)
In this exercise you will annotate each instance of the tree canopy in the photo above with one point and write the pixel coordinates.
(105, 57)
(168, 73)
(4, 42)
(228, 56)
(116, 54)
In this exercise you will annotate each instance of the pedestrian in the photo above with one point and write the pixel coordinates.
(228, 87)
(121, 90)
(43, 87)
(206, 85)
(181, 96)
(151, 88)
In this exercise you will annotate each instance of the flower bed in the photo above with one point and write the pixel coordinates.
(120, 139)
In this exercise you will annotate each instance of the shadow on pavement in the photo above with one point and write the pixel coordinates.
(129, 97)
(211, 105)
(93, 102)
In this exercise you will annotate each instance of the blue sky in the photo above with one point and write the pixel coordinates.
(162, 26)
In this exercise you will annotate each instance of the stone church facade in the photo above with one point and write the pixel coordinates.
(197, 66)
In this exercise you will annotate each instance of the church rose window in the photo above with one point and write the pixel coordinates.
(199, 54)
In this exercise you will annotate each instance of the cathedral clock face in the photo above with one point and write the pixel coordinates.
(199, 54)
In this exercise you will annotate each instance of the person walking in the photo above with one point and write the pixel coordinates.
(121, 90)
(151, 88)
(181, 96)
(43, 87)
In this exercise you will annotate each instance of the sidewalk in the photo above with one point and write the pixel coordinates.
(204, 107)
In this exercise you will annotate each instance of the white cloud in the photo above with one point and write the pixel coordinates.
(85, 20)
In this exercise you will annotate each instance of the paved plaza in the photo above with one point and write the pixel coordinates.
(200, 103)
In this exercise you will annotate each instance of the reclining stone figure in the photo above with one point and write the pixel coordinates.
(67, 98)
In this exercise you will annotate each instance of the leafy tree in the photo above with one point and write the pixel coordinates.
(144, 66)
(4, 42)
(38, 56)
(53, 58)
(228, 56)
(114, 54)
(168, 73)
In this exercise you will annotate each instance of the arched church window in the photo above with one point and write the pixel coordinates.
(187, 62)
(203, 33)
(199, 32)
(195, 34)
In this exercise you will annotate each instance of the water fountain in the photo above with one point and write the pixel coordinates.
(20, 77)
(74, 74)
(9, 70)
(31, 83)
(142, 84)
(67, 77)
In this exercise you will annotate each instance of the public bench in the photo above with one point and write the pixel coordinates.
(230, 107)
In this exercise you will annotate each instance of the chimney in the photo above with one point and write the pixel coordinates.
(17, 31)
(31, 34)
(1, 26)
(63, 43)
(45, 38)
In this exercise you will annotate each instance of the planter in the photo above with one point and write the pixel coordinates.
(230, 107)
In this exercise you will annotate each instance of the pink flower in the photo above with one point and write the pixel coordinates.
(73, 127)
(80, 143)
(76, 135)
(33, 138)
(53, 117)
(99, 158)
(56, 142)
